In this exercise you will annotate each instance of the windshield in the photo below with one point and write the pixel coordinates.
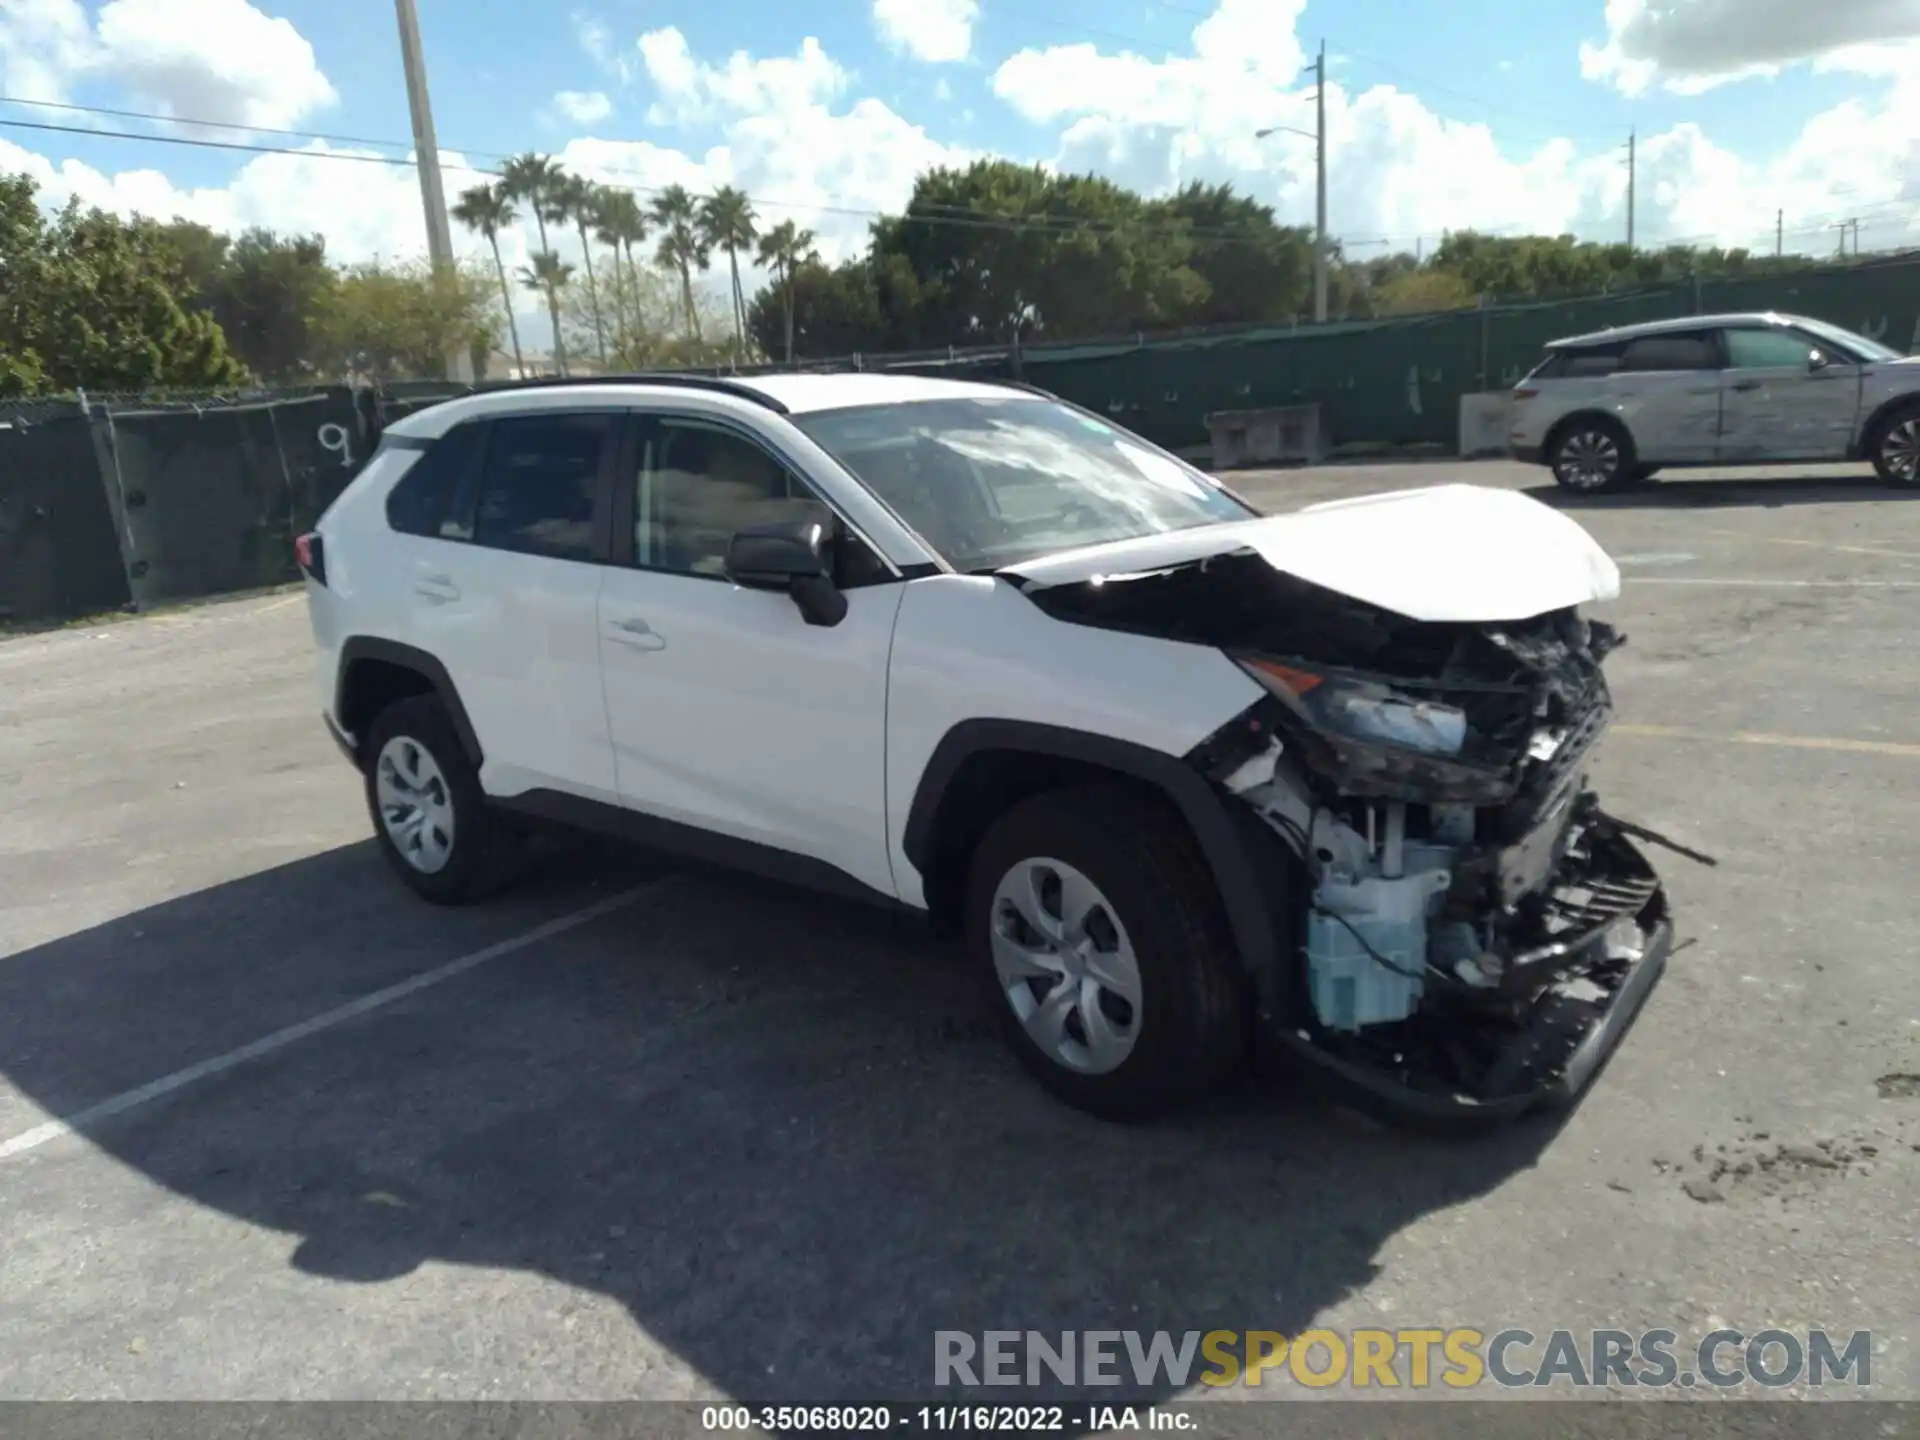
(994, 482)
(1860, 345)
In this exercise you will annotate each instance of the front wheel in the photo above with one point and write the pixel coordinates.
(1895, 449)
(1105, 951)
(1590, 456)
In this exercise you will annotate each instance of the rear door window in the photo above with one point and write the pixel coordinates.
(539, 482)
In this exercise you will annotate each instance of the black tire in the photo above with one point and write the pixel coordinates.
(479, 857)
(1896, 463)
(1592, 455)
(1194, 997)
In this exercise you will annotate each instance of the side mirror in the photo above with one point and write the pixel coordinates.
(792, 555)
(1817, 361)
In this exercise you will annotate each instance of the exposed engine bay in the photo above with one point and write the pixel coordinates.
(1471, 916)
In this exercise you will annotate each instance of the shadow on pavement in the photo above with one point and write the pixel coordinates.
(1679, 493)
(775, 1131)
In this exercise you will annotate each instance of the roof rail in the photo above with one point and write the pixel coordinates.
(1027, 386)
(718, 384)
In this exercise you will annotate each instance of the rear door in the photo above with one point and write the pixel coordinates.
(1785, 396)
(1666, 389)
(506, 595)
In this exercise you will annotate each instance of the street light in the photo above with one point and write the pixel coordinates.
(1319, 138)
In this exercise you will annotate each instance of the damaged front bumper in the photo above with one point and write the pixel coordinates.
(1540, 1040)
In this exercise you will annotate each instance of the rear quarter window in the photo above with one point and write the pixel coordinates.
(422, 503)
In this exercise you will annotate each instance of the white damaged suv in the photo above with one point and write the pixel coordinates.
(1183, 776)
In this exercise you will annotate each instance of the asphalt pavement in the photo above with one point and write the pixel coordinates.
(270, 1128)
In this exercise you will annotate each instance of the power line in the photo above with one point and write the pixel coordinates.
(961, 217)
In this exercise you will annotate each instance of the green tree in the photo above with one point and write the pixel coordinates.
(676, 216)
(551, 275)
(728, 223)
(535, 181)
(1255, 269)
(579, 201)
(388, 322)
(89, 301)
(487, 210)
(622, 227)
(1004, 250)
(783, 250)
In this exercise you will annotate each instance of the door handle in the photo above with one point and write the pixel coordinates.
(636, 633)
(1747, 384)
(436, 587)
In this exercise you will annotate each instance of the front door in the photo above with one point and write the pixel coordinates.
(1778, 403)
(728, 712)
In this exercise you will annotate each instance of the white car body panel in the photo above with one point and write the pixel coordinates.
(729, 712)
(1461, 553)
(970, 647)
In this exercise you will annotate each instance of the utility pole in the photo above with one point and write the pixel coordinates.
(1843, 226)
(1633, 178)
(433, 195)
(1779, 232)
(1856, 238)
(1320, 187)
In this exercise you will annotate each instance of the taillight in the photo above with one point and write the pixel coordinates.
(312, 556)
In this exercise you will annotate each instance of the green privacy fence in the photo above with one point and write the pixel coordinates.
(133, 500)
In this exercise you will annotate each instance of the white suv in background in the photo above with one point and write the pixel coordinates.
(1609, 409)
(1181, 775)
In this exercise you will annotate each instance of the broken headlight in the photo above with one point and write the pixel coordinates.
(1363, 710)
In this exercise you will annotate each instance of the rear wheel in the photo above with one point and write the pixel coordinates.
(1895, 447)
(430, 816)
(1105, 951)
(1593, 455)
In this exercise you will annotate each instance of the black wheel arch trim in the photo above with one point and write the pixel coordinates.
(1257, 920)
(427, 666)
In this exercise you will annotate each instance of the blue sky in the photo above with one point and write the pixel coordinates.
(1511, 115)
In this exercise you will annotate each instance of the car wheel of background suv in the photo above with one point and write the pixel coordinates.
(429, 814)
(1106, 952)
(1894, 447)
(1591, 455)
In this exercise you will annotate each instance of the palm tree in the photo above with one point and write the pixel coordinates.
(727, 222)
(550, 273)
(620, 227)
(783, 250)
(486, 210)
(681, 245)
(534, 180)
(578, 200)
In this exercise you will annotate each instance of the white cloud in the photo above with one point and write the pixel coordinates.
(691, 90)
(43, 44)
(1398, 169)
(596, 38)
(1689, 46)
(588, 107)
(936, 31)
(220, 60)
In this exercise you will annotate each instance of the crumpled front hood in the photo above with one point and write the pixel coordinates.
(1459, 553)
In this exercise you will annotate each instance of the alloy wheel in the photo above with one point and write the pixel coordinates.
(1588, 460)
(1900, 451)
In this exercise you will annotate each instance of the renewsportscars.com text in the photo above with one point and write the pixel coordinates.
(1408, 1359)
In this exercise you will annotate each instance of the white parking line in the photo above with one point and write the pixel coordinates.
(153, 1090)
